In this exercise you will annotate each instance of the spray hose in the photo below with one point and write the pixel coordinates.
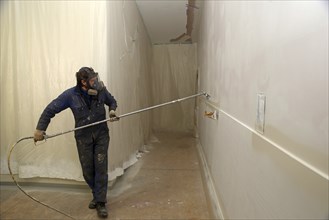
(21, 189)
(78, 128)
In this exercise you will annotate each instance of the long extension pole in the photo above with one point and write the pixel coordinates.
(130, 113)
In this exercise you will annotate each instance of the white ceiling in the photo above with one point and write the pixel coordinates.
(164, 19)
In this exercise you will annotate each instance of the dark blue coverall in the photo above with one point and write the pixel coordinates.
(92, 142)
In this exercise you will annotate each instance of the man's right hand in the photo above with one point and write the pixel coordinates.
(39, 135)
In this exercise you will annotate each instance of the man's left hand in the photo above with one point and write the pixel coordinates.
(113, 116)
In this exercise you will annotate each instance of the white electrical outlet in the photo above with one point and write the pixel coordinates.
(260, 117)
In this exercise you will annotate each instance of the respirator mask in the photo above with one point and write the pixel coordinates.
(94, 85)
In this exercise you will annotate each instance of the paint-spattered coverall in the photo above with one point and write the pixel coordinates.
(92, 142)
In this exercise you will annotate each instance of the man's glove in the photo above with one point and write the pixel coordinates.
(39, 135)
(113, 116)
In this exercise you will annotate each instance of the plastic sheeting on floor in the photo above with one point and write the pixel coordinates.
(43, 44)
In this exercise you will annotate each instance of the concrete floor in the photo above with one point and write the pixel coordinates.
(166, 183)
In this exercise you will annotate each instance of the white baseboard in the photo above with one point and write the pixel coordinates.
(215, 204)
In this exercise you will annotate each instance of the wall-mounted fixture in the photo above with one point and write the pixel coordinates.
(211, 114)
(260, 115)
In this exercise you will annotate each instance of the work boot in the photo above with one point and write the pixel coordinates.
(101, 209)
(92, 204)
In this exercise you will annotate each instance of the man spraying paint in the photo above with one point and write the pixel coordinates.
(87, 100)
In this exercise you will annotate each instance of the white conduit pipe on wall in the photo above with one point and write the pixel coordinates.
(282, 149)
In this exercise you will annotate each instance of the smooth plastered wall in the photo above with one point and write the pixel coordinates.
(280, 49)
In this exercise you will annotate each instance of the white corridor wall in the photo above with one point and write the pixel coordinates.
(279, 48)
(43, 44)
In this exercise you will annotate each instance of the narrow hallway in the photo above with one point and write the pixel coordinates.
(166, 183)
(249, 79)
